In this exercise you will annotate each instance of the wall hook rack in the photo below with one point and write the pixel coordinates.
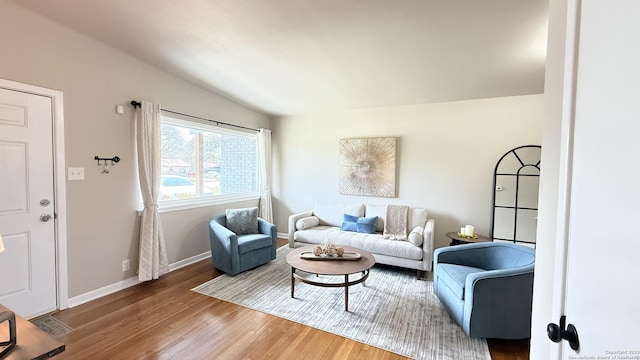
(106, 162)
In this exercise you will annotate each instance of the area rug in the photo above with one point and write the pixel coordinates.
(393, 310)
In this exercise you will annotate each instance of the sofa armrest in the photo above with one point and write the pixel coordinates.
(222, 237)
(224, 244)
(428, 235)
(428, 242)
(267, 228)
(292, 223)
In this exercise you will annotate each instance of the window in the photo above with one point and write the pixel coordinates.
(201, 162)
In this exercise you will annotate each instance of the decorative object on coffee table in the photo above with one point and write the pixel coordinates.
(368, 167)
(327, 251)
(346, 256)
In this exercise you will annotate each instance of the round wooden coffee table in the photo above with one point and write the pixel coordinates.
(330, 267)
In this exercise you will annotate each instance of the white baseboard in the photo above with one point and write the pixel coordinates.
(283, 235)
(103, 291)
(188, 261)
(132, 281)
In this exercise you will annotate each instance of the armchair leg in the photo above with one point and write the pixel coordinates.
(421, 275)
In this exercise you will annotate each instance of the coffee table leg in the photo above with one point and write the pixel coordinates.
(293, 280)
(346, 292)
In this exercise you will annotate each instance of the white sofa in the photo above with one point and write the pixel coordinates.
(323, 225)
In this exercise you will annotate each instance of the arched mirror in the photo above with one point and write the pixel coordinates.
(515, 196)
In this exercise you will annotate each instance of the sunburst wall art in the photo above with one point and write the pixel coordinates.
(368, 167)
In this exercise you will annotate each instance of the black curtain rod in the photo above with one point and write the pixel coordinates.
(136, 104)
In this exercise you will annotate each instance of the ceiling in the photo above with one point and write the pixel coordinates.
(285, 57)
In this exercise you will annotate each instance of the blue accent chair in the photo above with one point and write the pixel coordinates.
(233, 253)
(487, 288)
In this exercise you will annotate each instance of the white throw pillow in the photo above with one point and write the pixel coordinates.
(415, 236)
(307, 222)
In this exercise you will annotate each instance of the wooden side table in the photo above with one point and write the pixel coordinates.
(459, 240)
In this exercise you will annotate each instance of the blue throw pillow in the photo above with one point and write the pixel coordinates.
(349, 223)
(367, 225)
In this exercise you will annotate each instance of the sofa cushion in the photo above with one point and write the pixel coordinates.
(307, 222)
(242, 221)
(417, 217)
(250, 242)
(373, 243)
(331, 213)
(454, 276)
(379, 210)
(415, 236)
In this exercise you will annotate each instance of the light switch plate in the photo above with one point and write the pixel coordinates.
(75, 173)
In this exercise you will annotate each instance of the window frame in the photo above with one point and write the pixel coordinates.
(198, 202)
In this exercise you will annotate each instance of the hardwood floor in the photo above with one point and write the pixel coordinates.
(509, 349)
(163, 319)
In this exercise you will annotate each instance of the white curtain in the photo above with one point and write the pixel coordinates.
(264, 153)
(153, 260)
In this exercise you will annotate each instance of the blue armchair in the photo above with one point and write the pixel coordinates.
(233, 253)
(487, 288)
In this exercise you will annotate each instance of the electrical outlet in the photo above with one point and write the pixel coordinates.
(75, 173)
(125, 265)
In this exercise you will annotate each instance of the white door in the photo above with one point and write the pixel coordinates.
(28, 264)
(603, 262)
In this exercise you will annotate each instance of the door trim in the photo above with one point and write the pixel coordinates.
(59, 186)
(567, 126)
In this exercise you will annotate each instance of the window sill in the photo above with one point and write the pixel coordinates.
(179, 205)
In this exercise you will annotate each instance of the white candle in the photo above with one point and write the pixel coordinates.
(469, 230)
(462, 230)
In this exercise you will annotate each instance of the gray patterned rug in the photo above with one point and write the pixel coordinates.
(394, 311)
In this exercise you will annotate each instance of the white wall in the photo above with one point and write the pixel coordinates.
(445, 159)
(102, 218)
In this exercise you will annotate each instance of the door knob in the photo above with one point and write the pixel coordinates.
(558, 333)
(45, 217)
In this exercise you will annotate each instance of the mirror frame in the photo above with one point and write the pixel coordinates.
(523, 164)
